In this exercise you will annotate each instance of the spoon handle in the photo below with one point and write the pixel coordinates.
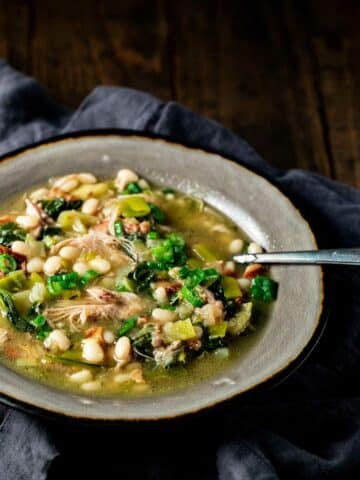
(342, 256)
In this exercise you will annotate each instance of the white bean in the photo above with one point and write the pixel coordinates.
(92, 351)
(82, 376)
(57, 341)
(244, 283)
(39, 194)
(80, 267)
(90, 206)
(52, 265)
(122, 350)
(86, 178)
(91, 386)
(160, 295)
(69, 253)
(143, 184)
(108, 336)
(100, 265)
(21, 248)
(35, 265)
(27, 222)
(124, 177)
(236, 245)
(69, 185)
(162, 316)
(254, 248)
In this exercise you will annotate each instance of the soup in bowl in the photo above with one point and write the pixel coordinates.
(119, 287)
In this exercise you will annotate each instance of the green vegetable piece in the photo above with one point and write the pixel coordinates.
(134, 207)
(7, 306)
(231, 287)
(218, 330)
(118, 229)
(38, 321)
(126, 285)
(68, 219)
(142, 276)
(132, 188)
(263, 288)
(191, 296)
(7, 263)
(14, 281)
(72, 357)
(205, 253)
(152, 235)
(198, 276)
(168, 190)
(127, 326)
(88, 276)
(51, 232)
(54, 207)
(22, 301)
(157, 213)
(96, 190)
(241, 320)
(63, 281)
(43, 332)
(180, 330)
(194, 262)
(9, 232)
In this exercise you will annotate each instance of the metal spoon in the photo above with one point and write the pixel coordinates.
(340, 256)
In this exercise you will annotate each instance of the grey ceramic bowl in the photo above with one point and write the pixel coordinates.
(260, 209)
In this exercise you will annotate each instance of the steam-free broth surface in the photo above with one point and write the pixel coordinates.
(114, 287)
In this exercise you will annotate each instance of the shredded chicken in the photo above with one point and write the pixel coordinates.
(97, 242)
(97, 304)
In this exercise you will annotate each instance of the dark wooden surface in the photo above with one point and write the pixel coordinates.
(285, 75)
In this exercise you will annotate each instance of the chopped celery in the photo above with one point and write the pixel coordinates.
(35, 278)
(194, 262)
(134, 207)
(36, 248)
(205, 253)
(96, 190)
(22, 301)
(231, 287)
(68, 218)
(241, 320)
(218, 330)
(14, 281)
(180, 330)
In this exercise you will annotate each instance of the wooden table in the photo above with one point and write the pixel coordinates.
(284, 75)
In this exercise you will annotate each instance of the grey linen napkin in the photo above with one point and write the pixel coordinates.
(308, 427)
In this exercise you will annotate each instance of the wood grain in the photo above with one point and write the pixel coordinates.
(284, 75)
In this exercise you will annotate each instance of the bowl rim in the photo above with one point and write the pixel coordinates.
(267, 384)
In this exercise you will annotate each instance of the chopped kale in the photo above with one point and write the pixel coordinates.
(54, 207)
(10, 232)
